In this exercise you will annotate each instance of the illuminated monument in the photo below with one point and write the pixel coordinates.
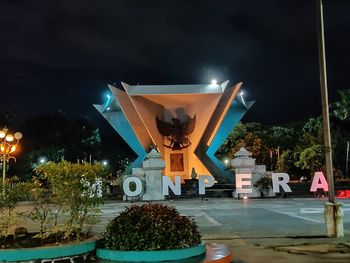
(186, 123)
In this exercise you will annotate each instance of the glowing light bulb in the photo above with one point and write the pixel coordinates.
(13, 148)
(214, 82)
(9, 137)
(18, 135)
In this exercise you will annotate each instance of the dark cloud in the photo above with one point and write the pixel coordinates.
(61, 54)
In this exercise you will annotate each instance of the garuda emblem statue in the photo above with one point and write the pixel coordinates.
(177, 132)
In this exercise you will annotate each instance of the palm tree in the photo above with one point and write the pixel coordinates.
(341, 108)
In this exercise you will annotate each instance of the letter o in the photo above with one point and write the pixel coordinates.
(126, 186)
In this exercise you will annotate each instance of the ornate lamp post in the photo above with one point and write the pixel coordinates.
(8, 145)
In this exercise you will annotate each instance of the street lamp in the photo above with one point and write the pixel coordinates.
(226, 161)
(42, 160)
(8, 145)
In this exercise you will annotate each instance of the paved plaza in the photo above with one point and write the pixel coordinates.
(258, 218)
(256, 229)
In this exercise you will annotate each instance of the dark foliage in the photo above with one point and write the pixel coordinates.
(151, 227)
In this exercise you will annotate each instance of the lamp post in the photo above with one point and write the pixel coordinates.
(8, 145)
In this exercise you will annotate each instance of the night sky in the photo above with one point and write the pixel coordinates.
(62, 54)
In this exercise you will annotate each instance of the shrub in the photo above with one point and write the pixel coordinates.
(76, 189)
(264, 183)
(11, 193)
(151, 227)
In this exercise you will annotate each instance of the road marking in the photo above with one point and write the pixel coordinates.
(209, 218)
(317, 210)
(296, 216)
(311, 210)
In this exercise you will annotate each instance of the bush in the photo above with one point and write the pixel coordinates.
(76, 189)
(11, 193)
(264, 184)
(151, 227)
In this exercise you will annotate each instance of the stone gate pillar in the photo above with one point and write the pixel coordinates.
(245, 164)
(153, 166)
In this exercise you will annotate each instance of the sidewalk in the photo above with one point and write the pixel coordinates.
(282, 250)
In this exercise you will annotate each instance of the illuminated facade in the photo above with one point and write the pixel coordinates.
(211, 111)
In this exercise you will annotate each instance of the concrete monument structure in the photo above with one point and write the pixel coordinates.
(243, 163)
(186, 123)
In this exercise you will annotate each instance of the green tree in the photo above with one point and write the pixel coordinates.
(312, 159)
(341, 108)
(255, 145)
(237, 134)
(282, 137)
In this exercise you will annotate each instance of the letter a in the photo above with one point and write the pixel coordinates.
(319, 181)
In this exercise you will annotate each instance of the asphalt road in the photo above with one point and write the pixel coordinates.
(258, 218)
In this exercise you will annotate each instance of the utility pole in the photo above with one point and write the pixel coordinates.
(332, 211)
(324, 97)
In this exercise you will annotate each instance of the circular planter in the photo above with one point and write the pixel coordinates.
(156, 255)
(48, 252)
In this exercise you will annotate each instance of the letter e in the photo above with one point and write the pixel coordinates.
(240, 183)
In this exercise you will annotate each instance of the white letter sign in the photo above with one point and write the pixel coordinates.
(204, 182)
(319, 181)
(280, 179)
(240, 183)
(126, 186)
(167, 183)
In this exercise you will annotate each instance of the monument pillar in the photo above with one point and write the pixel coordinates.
(153, 167)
